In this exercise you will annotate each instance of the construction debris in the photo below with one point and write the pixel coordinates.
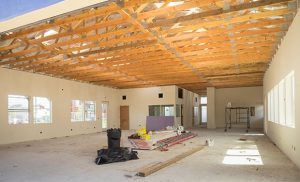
(114, 153)
(156, 167)
(163, 139)
(165, 143)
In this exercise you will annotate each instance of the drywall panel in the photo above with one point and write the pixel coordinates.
(188, 102)
(139, 100)
(60, 92)
(240, 97)
(286, 60)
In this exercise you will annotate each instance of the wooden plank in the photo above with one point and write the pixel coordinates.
(156, 167)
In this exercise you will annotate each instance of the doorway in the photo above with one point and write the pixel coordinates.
(203, 111)
(124, 117)
(196, 116)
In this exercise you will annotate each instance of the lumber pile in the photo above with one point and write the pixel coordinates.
(158, 166)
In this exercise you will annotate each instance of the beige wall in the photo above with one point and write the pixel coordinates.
(61, 92)
(211, 107)
(240, 97)
(287, 59)
(22, 83)
(139, 100)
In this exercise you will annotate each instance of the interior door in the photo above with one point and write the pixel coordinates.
(124, 117)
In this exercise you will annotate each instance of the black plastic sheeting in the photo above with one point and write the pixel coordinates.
(121, 154)
(114, 153)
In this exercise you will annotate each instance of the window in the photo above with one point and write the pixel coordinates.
(161, 110)
(180, 93)
(269, 106)
(41, 110)
(281, 102)
(167, 110)
(276, 106)
(77, 109)
(154, 110)
(160, 95)
(124, 97)
(203, 100)
(18, 109)
(290, 100)
(281, 94)
(104, 115)
(90, 111)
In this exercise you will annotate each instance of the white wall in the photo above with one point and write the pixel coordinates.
(286, 59)
(240, 97)
(23, 83)
(139, 99)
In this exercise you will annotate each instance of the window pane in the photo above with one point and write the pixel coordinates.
(269, 106)
(272, 105)
(18, 112)
(276, 106)
(104, 115)
(203, 100)
(41, 110)
(282, 103)
(204, 114)
(290, 100)
(154, 110)
(90, 111)
(167, 110)
(77, 110)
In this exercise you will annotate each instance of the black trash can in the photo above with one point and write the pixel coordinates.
(114, 138)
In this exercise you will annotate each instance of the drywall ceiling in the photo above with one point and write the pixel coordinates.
(140, 43)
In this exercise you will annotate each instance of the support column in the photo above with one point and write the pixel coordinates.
(211, 122)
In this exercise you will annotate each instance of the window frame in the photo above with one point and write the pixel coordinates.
(34, 113)
(18, 110)
(82, 112)
(94, 111)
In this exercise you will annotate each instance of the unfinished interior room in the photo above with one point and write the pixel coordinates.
(149, 90)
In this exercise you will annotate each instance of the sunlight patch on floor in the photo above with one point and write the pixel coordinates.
(242, 157)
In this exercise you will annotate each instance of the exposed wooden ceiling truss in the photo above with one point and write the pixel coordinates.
(140, 43)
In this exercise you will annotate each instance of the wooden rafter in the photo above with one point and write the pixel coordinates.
(141, 43)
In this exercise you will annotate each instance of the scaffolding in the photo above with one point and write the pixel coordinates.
(237, 116)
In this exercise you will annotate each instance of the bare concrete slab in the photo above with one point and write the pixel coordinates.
(253, 158)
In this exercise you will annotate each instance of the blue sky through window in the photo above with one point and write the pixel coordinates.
(13, 8)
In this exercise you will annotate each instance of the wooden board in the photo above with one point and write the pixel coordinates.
(156, 167)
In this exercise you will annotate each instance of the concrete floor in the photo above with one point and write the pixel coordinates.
(72, 159)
